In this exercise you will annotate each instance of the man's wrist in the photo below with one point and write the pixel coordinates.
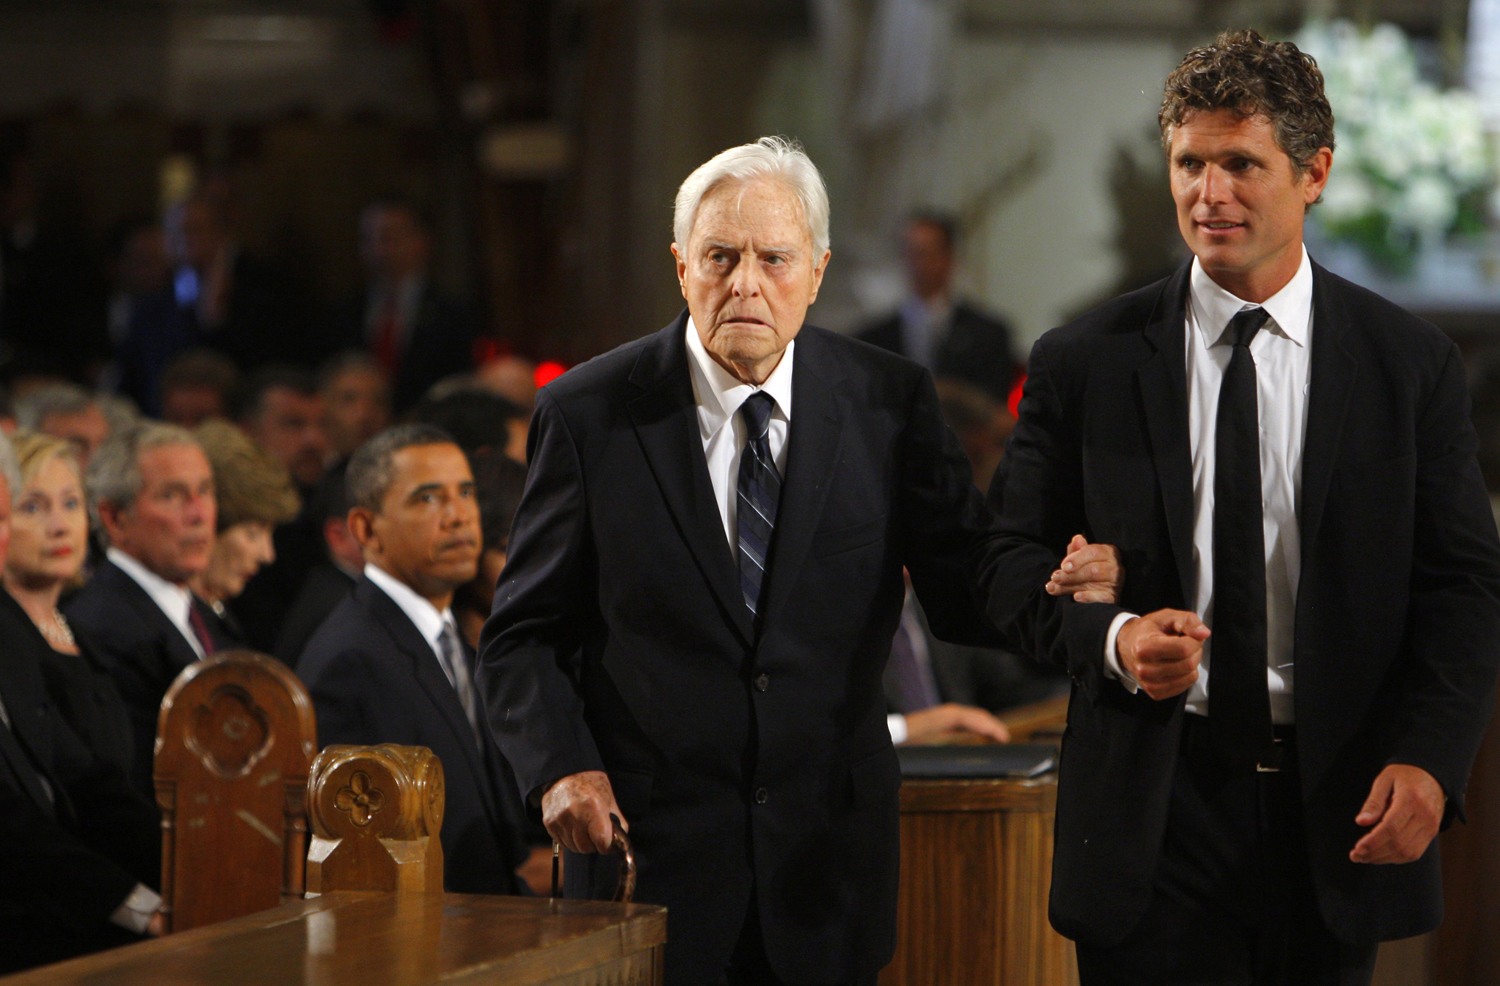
(1112, 666)
(135, 913)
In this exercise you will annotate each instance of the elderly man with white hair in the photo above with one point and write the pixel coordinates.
(705, 574)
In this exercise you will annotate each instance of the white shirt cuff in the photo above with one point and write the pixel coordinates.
(136, 913)
(897, 725)
(1112, 668)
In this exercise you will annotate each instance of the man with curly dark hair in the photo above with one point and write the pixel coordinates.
(1270, 727)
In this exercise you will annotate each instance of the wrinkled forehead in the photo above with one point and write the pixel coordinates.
(737, 205)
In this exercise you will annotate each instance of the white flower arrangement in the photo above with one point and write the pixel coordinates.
(1413, 163)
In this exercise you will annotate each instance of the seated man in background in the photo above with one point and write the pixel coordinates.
(151, 493)
(356, 401)
(66, 411)
(330, 580)
(81, 848)
(934, 326)
(389, 666)
(280, 408)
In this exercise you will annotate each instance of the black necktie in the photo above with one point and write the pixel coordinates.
(1239, 706)
(759, 492)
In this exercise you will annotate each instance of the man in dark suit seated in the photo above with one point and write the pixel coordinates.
(151, 494)
(418, 333)
(936, 327)
(389, 664)
(1286, 458)
(82, 848)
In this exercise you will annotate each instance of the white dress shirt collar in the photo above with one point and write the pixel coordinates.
(1290, 308)
(427, 618)
(719, 395)
(176, 601)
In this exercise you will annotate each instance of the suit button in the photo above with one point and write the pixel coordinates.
(762, 682)
(762, 795)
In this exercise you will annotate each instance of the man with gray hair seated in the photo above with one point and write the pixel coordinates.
(151, 495)
(66, 411)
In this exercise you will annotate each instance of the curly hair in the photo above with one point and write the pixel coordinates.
(251, 487)
(1243, 72)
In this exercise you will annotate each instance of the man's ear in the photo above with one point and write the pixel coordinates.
(362, 525)
(109, 519)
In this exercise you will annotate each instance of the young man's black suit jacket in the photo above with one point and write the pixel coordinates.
(141, 648)
(373, 679)
(1397, 612)
(744, 757)
(72, 858)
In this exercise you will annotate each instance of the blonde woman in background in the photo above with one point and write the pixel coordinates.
(255, 494)
(48, 545)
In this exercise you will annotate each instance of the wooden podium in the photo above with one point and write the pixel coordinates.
(976, 864)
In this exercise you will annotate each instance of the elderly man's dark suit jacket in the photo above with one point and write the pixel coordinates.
(742, 756)
(142, 649)
(1397, 612)
(72, 858)
(373, 679)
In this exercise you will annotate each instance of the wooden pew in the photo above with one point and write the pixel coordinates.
(235, 741)
(375, 814)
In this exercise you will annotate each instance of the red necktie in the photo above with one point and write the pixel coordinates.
(200, 630)
(387, 343)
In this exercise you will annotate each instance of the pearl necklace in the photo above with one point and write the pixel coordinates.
(62, 634)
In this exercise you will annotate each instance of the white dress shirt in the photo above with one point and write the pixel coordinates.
(427, 618)
(719, 396)
(176, 601)
(1282, 350)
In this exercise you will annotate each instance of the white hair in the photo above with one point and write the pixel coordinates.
(770, 157)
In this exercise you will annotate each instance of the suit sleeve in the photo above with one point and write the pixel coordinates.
(544, 604)
(944, 518)
(1038, 492)
(1454, 619)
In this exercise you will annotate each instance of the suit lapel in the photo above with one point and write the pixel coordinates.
(179, 651)
(1333, 372)
(666, 423)
(427, 671)
(817, 431)
(1162, 379)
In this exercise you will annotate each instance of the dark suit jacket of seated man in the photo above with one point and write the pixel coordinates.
(151, 488)
(624, 668)
(373, 667)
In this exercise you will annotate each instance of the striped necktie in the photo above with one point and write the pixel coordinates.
(759, 492)
(456, 663)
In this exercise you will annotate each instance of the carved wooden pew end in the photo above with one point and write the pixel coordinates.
(376, 813)
(235, 739)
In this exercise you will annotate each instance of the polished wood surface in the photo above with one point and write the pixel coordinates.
(1038, 722)
(976, 862)
(235, 741)
(362, 939)
(376, 814)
